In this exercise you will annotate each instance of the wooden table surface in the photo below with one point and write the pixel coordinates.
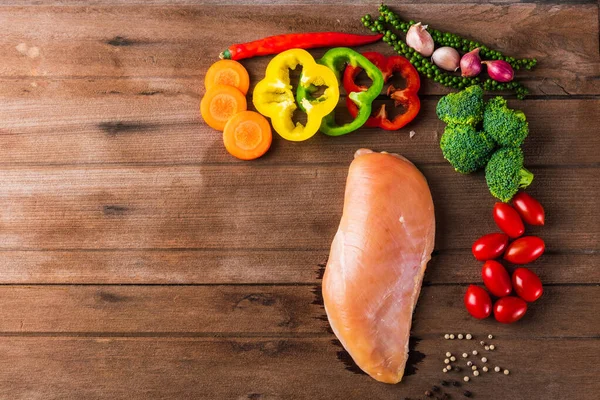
(138, 260)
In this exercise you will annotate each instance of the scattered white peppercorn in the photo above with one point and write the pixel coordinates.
(487, 347)
(469, 336)
(452, 358)
(445, 370)
(490, 337)
(506, 372)
(485, 369)
(497, 369)
(465, 355)
(460, 336)
(482, 343)
(483, 359)
(475, 373)
(466, 379)
(446, 361)
(449, 367)
(448, 354)
(492, 347)
(475, 352)
(451, 336)
(474, 367)
(469, 363)
(446, 336)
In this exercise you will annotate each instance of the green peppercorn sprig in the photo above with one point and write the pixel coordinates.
(430, 70)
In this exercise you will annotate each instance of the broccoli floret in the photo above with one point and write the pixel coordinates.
(505, 174)
(464, 107)
(465, 148)
(506, 126)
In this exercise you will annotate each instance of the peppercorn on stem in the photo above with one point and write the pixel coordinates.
(431, 71)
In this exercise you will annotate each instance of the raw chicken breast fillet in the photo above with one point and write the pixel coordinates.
(377, 260)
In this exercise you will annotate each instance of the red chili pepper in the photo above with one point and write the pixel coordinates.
(406, 97)
(280, 43)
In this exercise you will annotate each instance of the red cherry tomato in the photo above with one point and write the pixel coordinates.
(525, 250)
(496, 278)
(509, 309)
(490, 246)
(527, 284)
(508, 220)
(478, 302)
(530, 209)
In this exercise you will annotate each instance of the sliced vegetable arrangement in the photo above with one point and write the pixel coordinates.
(406, 97)
(523, 250)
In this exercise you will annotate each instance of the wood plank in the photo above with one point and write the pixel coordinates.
(260, 310)
(184, 41)
(224, 266)
(109, 368)
(156, 121)
(250, 207)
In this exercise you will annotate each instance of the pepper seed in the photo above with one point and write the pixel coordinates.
(448, 354)
(466, 379)
(490, 337)
(506, 372)
(497, 369)
(445, 370)
(446, 361)
(492, 347)
(465, 355)
(446, 336)
(475, 373)
(460, 336)
(452, 358)
(485, 369)
(469, 363)
(475, 352)
(483, 359)
(449, 367)
(474, 367)
(482, 343)
(469, 336)
(487, 347)
(451, 336)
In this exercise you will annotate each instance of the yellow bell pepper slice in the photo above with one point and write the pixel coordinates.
(273, 96)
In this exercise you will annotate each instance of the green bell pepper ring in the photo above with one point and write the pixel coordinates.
(336, 59)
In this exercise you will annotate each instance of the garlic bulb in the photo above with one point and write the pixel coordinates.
(419, 39)
(499, 70)
(446, 58)
(470, 63)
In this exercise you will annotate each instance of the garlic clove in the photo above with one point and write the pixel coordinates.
(419, 39)
(447, 58)
(499, 70)
(470, 63)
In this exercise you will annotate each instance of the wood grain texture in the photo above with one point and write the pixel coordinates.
(207, 368)
(264, 266)
(157, 122)
(253, 207)
(263, 310)
(184, 40)
(138, 260)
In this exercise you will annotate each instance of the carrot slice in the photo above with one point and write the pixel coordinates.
(247, 135)
(227, 72)
(220, 103)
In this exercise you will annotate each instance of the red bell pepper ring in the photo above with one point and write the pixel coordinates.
(406, 97)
